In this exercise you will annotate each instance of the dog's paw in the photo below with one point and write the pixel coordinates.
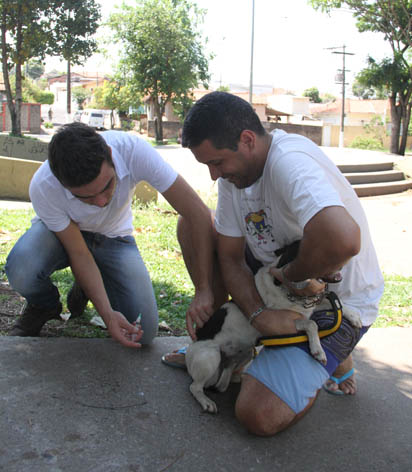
(320, 356)
(209, 406)
(356, 321)
(353, 317)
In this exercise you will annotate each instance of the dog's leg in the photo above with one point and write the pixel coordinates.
(203, 366)
(352, 316)
(224, 380)
(311, 329)
(207, 404)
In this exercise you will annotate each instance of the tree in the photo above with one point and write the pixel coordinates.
(328, 98)
(113, 96)
(80, 94)
(25, 26)
(32, 93)
(182, 104)
(162, 50)
(393, 19)
(34, 68)
(313, 94)
(393, 77)
(76, 23)
(31, 29)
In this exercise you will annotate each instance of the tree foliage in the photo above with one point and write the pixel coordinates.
(392, 18)
(313, 94)
(74, 24)
(31, 29)
(34, 68)
(162, 50)
(80, 94)
(114, 96)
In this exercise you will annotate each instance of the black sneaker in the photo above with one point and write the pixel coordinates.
(33, 318)
(76, 301)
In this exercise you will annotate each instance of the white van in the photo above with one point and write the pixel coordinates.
(93, 118)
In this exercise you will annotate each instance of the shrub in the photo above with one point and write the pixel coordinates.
(47, 124)
(366, 142)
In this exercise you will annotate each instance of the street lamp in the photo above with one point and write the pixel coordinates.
(251, 54)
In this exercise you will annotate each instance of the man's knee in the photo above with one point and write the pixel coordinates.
(260, 410)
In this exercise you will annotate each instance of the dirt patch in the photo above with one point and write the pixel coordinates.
(12, 305)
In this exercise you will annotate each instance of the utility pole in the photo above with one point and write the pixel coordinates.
(341, 80)
(251, 54)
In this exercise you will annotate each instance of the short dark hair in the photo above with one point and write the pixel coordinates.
(219, 117)
(76, 154)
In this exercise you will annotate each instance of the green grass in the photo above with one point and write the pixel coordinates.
(155, 233)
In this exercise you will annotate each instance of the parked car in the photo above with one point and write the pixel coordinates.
(93, 118)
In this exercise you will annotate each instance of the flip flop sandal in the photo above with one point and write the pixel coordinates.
(176, 365)
(338, 381)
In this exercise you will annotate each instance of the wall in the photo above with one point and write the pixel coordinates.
(15, 177)
(170, 129)
(23, 148)
(314, 133)
(19, 160)
(30, 117)
(352, 132)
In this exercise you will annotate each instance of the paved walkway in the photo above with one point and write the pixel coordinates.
(92, 405)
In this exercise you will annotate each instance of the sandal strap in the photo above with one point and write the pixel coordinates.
(343, 378)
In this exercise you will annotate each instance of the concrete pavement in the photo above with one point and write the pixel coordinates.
(92, 405)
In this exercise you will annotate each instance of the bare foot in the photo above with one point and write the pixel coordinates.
(175, 359)
(348, 386)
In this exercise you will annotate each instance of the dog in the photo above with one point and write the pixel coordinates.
(227, 341)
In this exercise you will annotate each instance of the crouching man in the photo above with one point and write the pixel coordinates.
(82, 198)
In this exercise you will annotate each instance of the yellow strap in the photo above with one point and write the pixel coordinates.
(303, 338)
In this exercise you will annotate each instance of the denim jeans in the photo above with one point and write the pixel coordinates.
(39, 253)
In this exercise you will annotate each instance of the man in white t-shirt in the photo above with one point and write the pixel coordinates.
(82, 198)
(276, 189)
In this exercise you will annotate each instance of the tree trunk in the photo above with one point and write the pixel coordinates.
(158, 121)
(405, 128)
(396, 124)
(16, 127)
(69, 90)
(6, 76)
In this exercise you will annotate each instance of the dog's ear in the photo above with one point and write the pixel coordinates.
(287, 253)
(213, 325)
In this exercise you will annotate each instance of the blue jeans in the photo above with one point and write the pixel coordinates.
(39, 253)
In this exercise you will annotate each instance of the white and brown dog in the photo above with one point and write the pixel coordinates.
(227, 341)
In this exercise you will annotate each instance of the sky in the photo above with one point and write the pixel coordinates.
(291, 42)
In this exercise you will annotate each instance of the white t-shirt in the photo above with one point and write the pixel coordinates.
(134, 160)
(298, 181)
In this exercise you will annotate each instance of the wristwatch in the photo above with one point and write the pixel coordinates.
(300, 285)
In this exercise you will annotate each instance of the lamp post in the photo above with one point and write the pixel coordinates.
(251, 54)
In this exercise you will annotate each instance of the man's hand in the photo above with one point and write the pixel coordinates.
(199, 311)
(276, 322)
(121, 330)
(315, 286)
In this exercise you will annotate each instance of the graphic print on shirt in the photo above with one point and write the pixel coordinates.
(259, 229)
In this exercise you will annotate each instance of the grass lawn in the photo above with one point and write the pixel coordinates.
(155, 232)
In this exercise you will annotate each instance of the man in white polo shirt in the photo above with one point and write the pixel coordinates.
(82, 198)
